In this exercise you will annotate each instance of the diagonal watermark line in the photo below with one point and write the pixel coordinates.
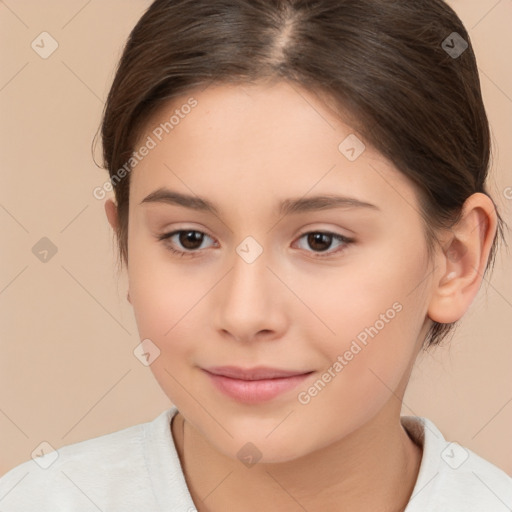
(96, 300)
(76, 14)
(301, 300)
(286, 417)
(14, 76)
(420, 490)
(13, 13)
(199, 403)
(506, 403)
(101, 510)
(298, 92)
(409, 203)
(495, 84)
(292, 497)
(74, 218)
(422, 280)
(216, 487)
(14, 486)
(486, 279)
(506, 505)
(14, 218)
(81, 81)
(12, 280)
(401, 400)
(486, 14)
(112, 387)
(17, 426)
(392, 391)
(496, 290)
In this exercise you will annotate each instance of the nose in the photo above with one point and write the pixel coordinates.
(250, 302)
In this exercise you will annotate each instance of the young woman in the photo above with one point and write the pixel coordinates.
(300, 203)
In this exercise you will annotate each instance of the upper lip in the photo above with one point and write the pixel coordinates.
(257, 373)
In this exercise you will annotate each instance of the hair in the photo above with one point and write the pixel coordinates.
(380, 64)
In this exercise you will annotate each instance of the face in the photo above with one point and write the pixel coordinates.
(336, 293)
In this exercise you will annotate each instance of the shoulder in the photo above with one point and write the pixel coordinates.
(453, 477)
(106, 471)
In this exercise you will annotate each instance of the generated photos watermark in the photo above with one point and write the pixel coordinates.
(356, 346)
(151, 142)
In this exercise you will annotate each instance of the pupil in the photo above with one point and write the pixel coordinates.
(313, 238)
(189, 239)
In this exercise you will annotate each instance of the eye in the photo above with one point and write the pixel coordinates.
(322, 240)
(190, 239)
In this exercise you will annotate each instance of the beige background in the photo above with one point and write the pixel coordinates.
(67, 370)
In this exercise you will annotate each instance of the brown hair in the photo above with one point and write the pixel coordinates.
(385, 65)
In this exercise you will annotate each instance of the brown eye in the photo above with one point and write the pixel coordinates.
(187, 241)
(321, 241)
(190, 239)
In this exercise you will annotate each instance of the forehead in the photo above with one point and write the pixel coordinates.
(255, 138)
(254, 114)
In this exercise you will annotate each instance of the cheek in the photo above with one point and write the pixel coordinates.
(165, 302)
(162, 290)
(374, 317)
(165, 314)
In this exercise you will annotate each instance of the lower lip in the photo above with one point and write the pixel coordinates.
(255, 391)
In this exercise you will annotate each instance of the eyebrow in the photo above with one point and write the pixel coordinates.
(288, 206)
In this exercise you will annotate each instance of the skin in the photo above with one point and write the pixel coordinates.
(246, 149)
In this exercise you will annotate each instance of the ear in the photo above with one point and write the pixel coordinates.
(463, 260)
(111, 211)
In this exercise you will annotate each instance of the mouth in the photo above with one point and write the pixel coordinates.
(254, 385)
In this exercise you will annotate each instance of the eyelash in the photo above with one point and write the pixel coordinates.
(193, 253)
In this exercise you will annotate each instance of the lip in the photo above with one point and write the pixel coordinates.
(254, 385)
(256, 373)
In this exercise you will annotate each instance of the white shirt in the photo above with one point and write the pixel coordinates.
(138, 469)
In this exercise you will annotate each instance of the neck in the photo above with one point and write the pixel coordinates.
(375, 467)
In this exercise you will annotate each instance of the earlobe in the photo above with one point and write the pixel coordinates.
(463, 260)
(111, 211)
